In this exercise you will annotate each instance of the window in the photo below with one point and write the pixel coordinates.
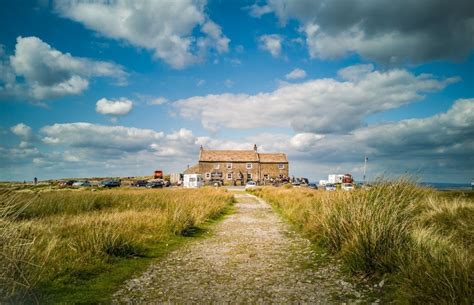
(265, 176)
(216, 166)
(208, 175)
(249, 165)
(229, 176)
(249, 176)
(216, 175)
(229, 165)
(281, 166)
(192, 179)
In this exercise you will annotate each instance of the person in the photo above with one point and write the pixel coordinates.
(36, 180)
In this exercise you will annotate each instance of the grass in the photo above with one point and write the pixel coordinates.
(417, 239)
(63, 246)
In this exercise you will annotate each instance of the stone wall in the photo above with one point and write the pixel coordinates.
(273, 171)
(219, 171)
(237, 168)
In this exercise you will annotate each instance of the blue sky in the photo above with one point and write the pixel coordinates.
(99, 88)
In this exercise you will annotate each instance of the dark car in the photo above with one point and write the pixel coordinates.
(67, 183)
(110, 183)
(154, 184)
(140, 183)
(313, 186)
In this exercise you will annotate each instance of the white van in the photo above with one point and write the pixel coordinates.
(193, 181)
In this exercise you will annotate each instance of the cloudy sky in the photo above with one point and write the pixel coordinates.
(121, 88)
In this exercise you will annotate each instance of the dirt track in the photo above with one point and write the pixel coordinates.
(252, 257)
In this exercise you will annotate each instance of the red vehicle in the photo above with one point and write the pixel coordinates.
(347, 178)
(158, 174)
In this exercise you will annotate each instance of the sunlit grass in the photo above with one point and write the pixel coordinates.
(419, 240)
(46, 236)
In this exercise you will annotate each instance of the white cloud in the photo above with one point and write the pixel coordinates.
(450, 132)
(304, 141)
(258, 11)
(355, 73)
(158, 101)
(319, 105)
(114, 107)
(23, 131)
(100, 137)
(165, 27)
(296, 74)
(235, 62)
(271, 43)
(49, 73)
(229, 83)
(200, 82)
(376, 30)
(215, 37)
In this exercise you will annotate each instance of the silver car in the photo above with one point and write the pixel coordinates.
(81, 183)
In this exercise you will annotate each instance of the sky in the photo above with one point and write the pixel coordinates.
(121, 88)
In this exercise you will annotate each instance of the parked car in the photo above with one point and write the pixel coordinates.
(250, 184)
(140, 183)
(330, 187)
(81, 183)
(313, 186)
(67, 183)
(110, 183)
(155, 184)
(347, 186)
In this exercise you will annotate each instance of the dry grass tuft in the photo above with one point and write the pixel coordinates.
(48, 235)
(421, 240)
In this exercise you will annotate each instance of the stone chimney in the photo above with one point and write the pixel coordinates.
(255, 147)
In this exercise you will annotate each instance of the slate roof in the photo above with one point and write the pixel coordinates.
(273, 158)
(228, 156)
(241, 156)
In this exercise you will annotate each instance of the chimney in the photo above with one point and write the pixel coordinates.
(201, 148)
(255, 147)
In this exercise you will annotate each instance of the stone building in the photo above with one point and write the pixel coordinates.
(239, 166)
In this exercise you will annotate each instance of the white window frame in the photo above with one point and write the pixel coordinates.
(229, 176)
(208, 175)
(229, 165)
(249, 165)
(251, 176)
(281, 166)
(217, 166)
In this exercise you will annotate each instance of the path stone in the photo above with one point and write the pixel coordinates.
(252, 257)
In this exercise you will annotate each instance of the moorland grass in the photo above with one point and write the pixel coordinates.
(417, 239)
(55, 243)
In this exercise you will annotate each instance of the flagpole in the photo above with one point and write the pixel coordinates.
(365, 166)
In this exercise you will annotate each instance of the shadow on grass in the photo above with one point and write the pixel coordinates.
(194, 232)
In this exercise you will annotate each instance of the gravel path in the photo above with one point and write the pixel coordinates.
(251, 257)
